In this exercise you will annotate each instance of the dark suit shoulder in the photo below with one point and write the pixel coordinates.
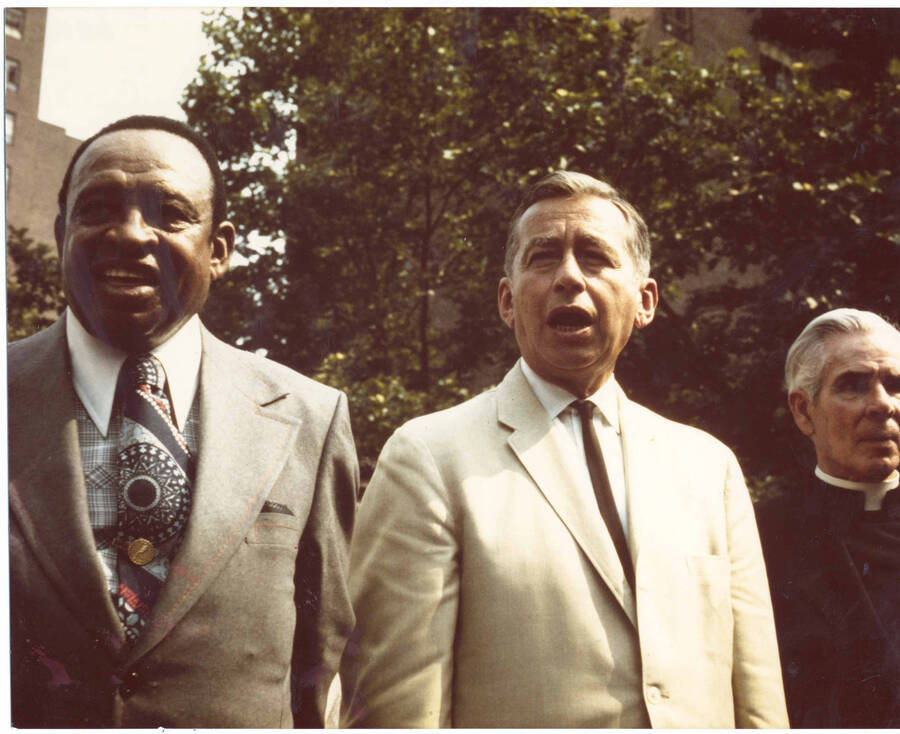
(776, 520)
(34, 352)
(772, 513)
(265, 378)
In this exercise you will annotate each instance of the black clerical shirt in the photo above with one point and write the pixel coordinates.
(833, 571)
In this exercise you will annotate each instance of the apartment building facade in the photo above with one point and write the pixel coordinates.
(37, 152)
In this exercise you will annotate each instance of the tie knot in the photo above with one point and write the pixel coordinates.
(584, 408)
(143, 369)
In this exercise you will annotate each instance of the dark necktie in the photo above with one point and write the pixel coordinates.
(602, 491)
(155, 473)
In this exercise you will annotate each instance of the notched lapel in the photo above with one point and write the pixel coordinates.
(545, 455)
(233, 479)
(47, 493)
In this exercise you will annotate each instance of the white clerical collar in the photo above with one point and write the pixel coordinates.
(556, 399)
(874, 491)
(96, 365)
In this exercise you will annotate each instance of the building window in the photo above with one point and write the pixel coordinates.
(775, 64)
(777, 75)
(10, 127)
(13, 74)
(15, 22)
(680, 23)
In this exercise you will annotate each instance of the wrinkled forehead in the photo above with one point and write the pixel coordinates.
(863, 350)
(143, 157)
(587, 210)
(582, 215)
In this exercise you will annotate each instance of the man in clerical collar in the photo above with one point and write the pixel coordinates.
(833, 547)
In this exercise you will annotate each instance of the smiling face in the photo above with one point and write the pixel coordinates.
(574, 293)
(137, 245)
(853, 422)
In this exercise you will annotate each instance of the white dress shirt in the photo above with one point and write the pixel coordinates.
(96, 365)
(556, 401)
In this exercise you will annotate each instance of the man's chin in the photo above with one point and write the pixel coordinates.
(878, 470)
(131, 332)
(579, 379)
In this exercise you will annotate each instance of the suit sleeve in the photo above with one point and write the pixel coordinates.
(324, 613)
(756, 677)
(404, 581)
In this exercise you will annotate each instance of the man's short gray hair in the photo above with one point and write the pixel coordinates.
(566, 184)
(805, 361)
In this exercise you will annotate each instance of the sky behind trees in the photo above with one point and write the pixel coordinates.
(102, 64)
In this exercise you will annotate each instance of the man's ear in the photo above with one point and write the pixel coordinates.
(649, 299)
(59, 232)
(505, 302)
(222, 246)
(799, 402)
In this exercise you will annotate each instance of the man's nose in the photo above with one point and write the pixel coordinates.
(132, 229)
(881, 402)
(568, 274)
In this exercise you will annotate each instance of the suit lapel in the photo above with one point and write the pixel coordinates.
(47, 492)
(233, 479)
(545, 452)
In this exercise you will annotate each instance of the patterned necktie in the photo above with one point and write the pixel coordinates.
(602, 490)
(155, 474)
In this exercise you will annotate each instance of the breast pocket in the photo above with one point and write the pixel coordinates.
(275, 528)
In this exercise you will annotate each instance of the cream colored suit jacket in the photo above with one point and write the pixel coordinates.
(252, 619)
(488, 593)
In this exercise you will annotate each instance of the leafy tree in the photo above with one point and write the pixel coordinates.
(385, 149)
(33, 294)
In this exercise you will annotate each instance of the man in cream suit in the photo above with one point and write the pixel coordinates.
(240, 610)
(520, 561)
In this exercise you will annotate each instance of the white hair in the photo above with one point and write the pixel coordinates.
(805, 361)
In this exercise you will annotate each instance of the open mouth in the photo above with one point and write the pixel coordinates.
(125, 275)
(569, 319)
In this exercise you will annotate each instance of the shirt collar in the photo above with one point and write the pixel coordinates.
(96, 365)
(874, 491)
(556, 399)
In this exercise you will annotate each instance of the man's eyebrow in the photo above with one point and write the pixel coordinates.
(588, 238)
(541, 241)
(110, 187)
(96, 187)
(853, 374)
(171, 193)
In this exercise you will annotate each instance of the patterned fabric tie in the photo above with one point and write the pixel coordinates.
(155, 474)
(602, 490)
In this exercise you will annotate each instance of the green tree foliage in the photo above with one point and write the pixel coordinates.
(385, 149)
(33, 294)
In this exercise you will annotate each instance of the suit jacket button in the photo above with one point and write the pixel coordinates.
(129, 684)
(654, 695)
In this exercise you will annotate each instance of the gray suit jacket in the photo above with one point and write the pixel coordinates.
(488, 591)
(253, 617)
